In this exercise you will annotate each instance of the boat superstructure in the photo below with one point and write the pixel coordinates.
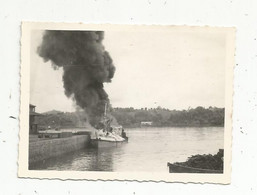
(108, 135)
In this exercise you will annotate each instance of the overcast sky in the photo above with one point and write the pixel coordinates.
(168, 69)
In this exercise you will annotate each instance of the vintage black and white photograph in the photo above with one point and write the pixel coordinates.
(126, 102)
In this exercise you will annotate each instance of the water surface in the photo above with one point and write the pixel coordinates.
(148, 149)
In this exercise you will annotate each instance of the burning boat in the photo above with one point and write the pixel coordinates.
(86, 67)
(108, 136)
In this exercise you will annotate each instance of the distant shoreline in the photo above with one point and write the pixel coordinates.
(134, 118)
(133, 127)
(145, 127)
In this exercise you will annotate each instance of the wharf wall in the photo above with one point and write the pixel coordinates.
(44, 149)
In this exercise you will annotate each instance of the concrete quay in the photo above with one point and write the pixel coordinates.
(42, 149)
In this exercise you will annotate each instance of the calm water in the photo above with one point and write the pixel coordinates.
(148, 149)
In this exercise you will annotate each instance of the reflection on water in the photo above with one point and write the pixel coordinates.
(148, 149)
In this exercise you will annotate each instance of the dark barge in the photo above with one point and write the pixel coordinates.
(200, 164)
(173, 168)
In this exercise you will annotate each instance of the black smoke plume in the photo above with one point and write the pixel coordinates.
(86, 67)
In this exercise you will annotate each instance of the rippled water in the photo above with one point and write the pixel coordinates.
(148, 149)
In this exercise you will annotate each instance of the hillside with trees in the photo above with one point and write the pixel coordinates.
(161, 117)
(131, 118)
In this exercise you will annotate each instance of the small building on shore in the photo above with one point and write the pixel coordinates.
(146, 123)
(33, 119)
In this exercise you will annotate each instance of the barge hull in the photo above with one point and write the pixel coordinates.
(173, 168)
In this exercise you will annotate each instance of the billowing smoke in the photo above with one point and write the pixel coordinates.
(86, 67)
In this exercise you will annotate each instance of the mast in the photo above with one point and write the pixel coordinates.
(105, 109)
(105, 117)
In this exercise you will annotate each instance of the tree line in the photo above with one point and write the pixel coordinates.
(131, 117)
(161, 117)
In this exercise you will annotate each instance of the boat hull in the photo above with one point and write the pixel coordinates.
(96, 143)
(173, 168)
